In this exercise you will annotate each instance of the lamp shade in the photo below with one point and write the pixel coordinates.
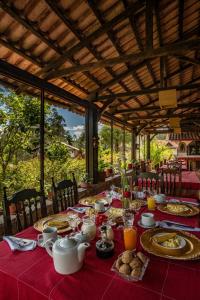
(174, 122)
(167, 99)
(177, 130)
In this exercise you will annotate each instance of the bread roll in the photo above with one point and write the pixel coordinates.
(125, 269)
(135, 263)
(127, 257)
(119, 263)
(142, 257)
(136, 272)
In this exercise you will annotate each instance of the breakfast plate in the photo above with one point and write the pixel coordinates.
(90, 201)
(179, 209)
(60, 221)
(114, 212)
(172, 244)
(137, 204)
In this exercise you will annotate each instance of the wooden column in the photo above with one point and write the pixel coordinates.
(133, 145)
(111, 142)
(91, 124)
(139, 146)
(144, 143)
(124, 145)
(43, 203)
(148, 146)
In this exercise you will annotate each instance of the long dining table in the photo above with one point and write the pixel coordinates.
(31, 274)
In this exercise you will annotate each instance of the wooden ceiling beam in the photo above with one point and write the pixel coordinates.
(72, 26)
(34, 28)
(157, 108)
(163, 73)
(136, 67)
(171, 49)
(135, 8)
(132, 20)
(123, 75)
(167, 116)
(148, 91)
(149, 24)
(25, 77)
(188, 59)
(94, 7)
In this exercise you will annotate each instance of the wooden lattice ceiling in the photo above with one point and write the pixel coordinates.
(116, 54)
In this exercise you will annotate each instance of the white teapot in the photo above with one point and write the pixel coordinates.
(68, 254)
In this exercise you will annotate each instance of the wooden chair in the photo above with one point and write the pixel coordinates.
(65, 194)
(27, 206)
(148, 180)
(171, 181)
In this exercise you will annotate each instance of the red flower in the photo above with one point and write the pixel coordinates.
(127, 194)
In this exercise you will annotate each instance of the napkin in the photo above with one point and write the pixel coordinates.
(79, 210)
(20, 243)
(177, 226)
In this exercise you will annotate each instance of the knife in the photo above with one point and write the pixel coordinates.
(179, 202)
(179, 226)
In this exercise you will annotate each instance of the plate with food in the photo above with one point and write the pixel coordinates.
(131, 265)
(173, 244)
(179, 209)
(114, 212)
(137, 204)
(60, 221)
(90, 201)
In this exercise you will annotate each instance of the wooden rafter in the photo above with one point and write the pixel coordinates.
(94, 6)
(188, 59)
(147, 91)
(72, 26)
(171, 49)
(149, 24)
(157, 108)
(43, 36)
(135, 8)
(167, 116)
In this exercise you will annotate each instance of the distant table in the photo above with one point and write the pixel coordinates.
(31, 275)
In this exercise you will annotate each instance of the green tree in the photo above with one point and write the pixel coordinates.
(19, 133)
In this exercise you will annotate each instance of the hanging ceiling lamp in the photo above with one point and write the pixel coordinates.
(167, 99)
(174, 122)
(177, 130)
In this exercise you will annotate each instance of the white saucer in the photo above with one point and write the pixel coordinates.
(41, 244)
(103, 210)
(145, 226)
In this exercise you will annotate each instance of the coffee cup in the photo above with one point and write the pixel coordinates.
(49, 233)
(147, 219)
(160, 198)
(99, 206)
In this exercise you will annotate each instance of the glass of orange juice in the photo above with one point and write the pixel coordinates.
(151, 203)
(130, 238)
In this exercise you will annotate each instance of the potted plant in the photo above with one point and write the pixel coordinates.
(101, 170)
(86, 181)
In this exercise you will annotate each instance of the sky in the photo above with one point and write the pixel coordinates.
(75, 123)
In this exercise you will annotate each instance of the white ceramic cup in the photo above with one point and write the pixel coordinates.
(147, 219)
(49, 233)
(99, 206)
(160, 198)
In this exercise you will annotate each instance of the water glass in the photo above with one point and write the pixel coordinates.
(128, 218)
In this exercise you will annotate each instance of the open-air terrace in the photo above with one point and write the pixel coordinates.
(99, 149)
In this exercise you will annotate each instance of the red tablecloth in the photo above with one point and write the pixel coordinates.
(31, 275)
